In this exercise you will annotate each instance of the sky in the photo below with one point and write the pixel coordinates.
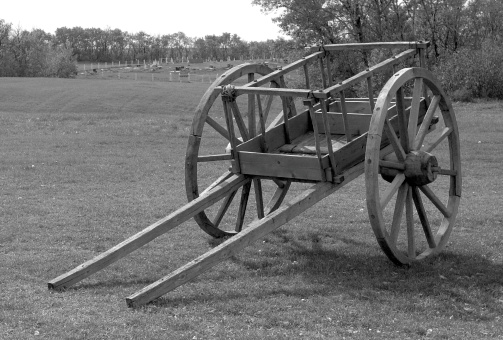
(196, 18)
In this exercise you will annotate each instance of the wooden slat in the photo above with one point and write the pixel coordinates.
(306, 76)
(148, 234)
(262, 125)
(366, 46)
(370, 90)
(253, 232)
(328, 135)
(329, 70)
(322, 71)
(300, 93)
(275, 137)
(345, 116)
(283, 166)
(314, 121)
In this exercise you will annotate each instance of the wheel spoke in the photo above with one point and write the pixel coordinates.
(409, 217)
(402, 120)
(277, 198)
(414, 111)
(392, 189)
(398, 212)
(223, 209)
(395, 142)
(259, 198)
(239, 120)
(219, 180)
(218, 128)
(268, 105)
(423, 217)
(245, 193)
(425, 125)
(445, 133)
(435, 200)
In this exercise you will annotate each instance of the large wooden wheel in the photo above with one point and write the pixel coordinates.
(208, 152)
(419, 174)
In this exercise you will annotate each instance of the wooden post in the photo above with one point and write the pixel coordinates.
(306, 75)
(310, 103)
(323, 77)
(345, 116)
(370, 90)
(328, 135)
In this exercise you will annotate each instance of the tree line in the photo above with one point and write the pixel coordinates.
(466, 36)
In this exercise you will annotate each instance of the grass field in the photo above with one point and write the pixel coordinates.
(87, 163)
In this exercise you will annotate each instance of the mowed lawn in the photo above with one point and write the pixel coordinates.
(84, 164)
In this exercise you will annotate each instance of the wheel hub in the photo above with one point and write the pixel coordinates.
(420, 168)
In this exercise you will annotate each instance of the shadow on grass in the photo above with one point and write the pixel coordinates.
(451, 285)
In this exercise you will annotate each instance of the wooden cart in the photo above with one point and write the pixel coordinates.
(410, 158)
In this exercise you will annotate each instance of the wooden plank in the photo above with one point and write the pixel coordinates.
(283, 166)
(367, 46)
(148, 234)
(275, 137)
(256, 230)
(301, 93)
